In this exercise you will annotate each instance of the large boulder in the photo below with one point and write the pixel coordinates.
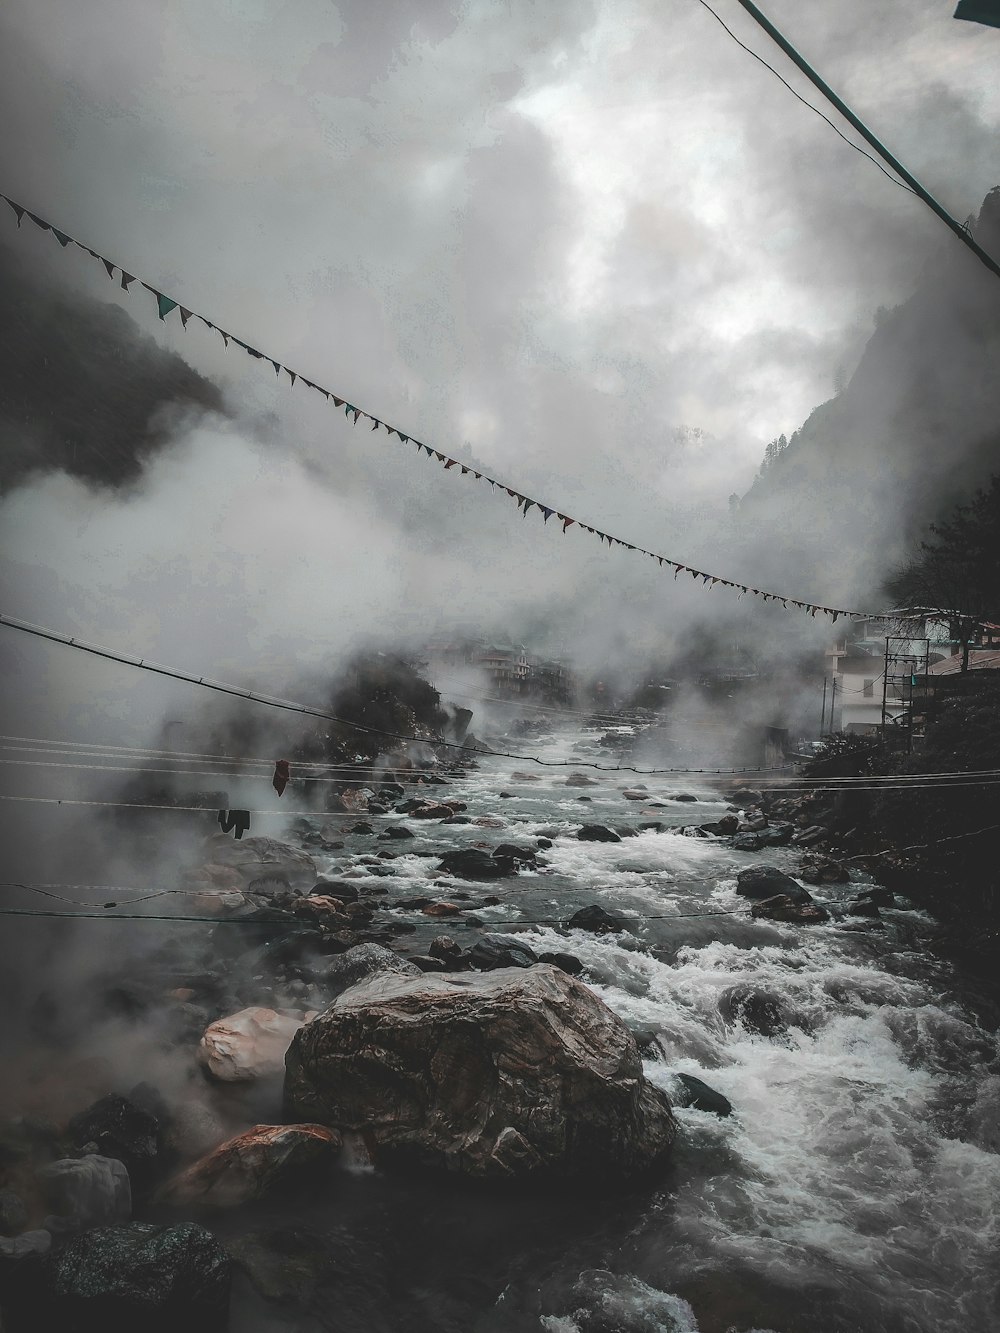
(262, 860)
(247, 1046)
(784, 908)
(85, 1192)
(511, 1073)
(254, 1165)
(596, 920)
(123, 1278)
(767, 881)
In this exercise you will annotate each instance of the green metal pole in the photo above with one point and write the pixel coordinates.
(866, 133)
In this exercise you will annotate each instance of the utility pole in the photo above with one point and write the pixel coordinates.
(833, 701)
(822, 716)
(963, 235)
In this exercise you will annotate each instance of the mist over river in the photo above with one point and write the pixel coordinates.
(855, 1186)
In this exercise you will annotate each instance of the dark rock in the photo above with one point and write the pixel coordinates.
(878, 895)
(822, 870)
(588, 799)
(436, 810)
(758, 1011)
(443, 946)
(472, 863)
(567, 961)
(783, 908)
(360, 963)
(723, 827)
(776, 835)
(863, 907)
(748, 842)
(335, 888)
(651, 826)
(396, 831)
(745, 796)
(766, 881)
(596, 920)
(684, 796)
(544, 843)
(699, 1096)
(580, 780)
(119, 1279)
(362, 827)
(118, 1129)
(597, 833)
(510, 852)
(457, 819)
(493, 950)
(13, 1214)
(512, 1073)
(423, 962)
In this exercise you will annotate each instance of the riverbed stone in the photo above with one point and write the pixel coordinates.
(86, 1191)
(491, 951)
(596, 920)
(247, 1046)
(784, 908)
(262, 1162)
(140, 1276)
(476, 864)
(360, 963)
(766, 881)
(689, 1091)
(597, 833)
(511, 1073)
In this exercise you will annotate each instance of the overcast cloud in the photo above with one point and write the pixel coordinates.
(598, 243)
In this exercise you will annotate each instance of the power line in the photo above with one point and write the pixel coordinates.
(962, 232)
(290, 707)
(836, 129)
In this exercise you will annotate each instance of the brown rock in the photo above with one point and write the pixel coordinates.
(509, 1073)
(783, 908)
(253, 1165)
(441, 909)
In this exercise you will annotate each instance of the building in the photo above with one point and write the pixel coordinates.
(506, 665)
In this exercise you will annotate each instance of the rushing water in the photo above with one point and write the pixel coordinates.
(855, 1187)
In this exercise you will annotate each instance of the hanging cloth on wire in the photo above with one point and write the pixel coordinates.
(234, 819)
(281, 775)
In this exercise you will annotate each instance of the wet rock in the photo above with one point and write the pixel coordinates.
(362, 826)
(509, 851)
(119, 1279)
(783, 908)
(434, 810)
(723, 827)
(13, 1214)
(581, 780)
(759, 1011)
(361, 963)
(776, 835)
(588, 799)
(494, 950)
(748, 842)
(509, 1073)
(396, 832)
(258, 1164)
(745, 796)
(490, 821)
(443, 946)
(472, 863)
(457, 819)
(823, 870)
(597, 833)
(684, 796)
(247, 1046)
(115, 1127)
(544, 843)
(89, 1191)
(810, 836)
(425, 962)
(596, 920)
(692, 1092)
(766, 881)
(636, 794)
(26, 1246)
(863, 907)
(878, 895)
(441, 909)
(568, 962)
(352, 800)
(336, 888)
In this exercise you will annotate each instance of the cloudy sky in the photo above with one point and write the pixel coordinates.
(597, 242)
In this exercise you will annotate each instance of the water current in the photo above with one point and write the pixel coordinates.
(856, 1186)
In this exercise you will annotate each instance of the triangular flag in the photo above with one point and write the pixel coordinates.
(109, 266)
(164, 305)
(546, 511)
(40, 222)
(61, 237)
(277, 367)
(291, 375)
(375, 424)
(337, 402)
(126, 279)
(185, 315)
(478, 476)
(225, 337)
(18, 210)
(527, 506)
(566, 522)
(450, 463)
(439, 457)
(465, 470)
(348, 409)
(357, 410)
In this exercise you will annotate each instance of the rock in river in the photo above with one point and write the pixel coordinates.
(119, 1279)
(766, 881)
(784, 908)
(597, 833)
(247, 1046)
(471, 863)
(254, 1165)
(511, 1073)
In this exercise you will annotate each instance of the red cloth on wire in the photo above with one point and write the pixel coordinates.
(281, 775)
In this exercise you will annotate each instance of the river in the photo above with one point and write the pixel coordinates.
(856, 1186)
